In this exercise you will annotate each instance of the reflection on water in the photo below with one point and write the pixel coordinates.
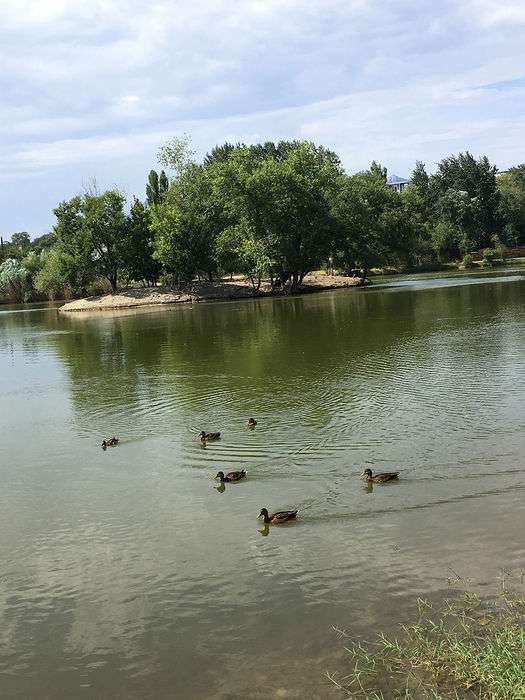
(124, 575)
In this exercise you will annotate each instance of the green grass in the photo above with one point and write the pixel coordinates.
(467, 648)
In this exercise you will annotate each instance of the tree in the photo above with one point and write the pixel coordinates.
(20, 244)
(187, 224)
(177, 154)
(378, 170)
(420, 179)
(157, 187)
(75, 245)
(105, 227)
(52, 278)
(464, 177)
(370, 218)
(511, 188)
(137, 259)
(280, 195)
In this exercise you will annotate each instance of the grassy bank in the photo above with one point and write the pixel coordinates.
(467, 647)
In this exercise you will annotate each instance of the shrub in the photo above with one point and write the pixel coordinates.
(468, 261)
(489, 257)
(15, 281)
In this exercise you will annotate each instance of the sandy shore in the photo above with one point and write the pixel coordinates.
(202, 291)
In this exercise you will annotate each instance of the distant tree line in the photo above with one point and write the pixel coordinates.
(273, 211)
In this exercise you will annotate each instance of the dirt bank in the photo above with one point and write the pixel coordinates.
(202, 291)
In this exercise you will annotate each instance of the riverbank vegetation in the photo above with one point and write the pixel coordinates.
(272, 212)
(467, 647)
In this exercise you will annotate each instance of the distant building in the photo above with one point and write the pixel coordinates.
(398, 183)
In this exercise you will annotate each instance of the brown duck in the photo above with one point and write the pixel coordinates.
(110, 443)
(206, 437)
(379, 478)
(230, 476)
(251, 423)
(282, 516)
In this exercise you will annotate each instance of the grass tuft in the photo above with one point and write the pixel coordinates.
(467, 648)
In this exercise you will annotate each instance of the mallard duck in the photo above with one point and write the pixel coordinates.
(379, 478)
(251, 423)
(282, 516)
(230, 476)
(109, 443)
(206, 437)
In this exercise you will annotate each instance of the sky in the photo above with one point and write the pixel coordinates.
(92, 88)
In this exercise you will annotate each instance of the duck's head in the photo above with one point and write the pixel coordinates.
(367, 473)
(104, 444)
(220, 475)
(202, 434)
(251, 420)
(263, 513)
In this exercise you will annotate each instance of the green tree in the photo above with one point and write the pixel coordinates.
(157, 187)
(511, 188)
(75, 245)
(186, 225)
(472, 180)
(280, 195)
(137, 258)
(20, 244)
(105, 227)
(378, 170)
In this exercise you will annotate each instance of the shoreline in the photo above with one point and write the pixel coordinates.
(204, 291)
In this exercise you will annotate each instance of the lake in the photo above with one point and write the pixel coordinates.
(128, 574)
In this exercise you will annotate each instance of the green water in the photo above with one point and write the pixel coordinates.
(127, 574)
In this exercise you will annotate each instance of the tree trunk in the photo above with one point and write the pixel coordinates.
(113, 282)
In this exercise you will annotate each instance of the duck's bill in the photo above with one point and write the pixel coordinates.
(259, 516)
(363, 474)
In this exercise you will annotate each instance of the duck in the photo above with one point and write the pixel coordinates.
(231, 476)
(379, 478)
(206, 437)
(282, 516)
(251, 423)
(112, 442)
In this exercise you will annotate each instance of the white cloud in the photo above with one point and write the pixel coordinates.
(94, 86)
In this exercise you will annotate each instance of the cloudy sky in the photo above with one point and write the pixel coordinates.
(92, 88)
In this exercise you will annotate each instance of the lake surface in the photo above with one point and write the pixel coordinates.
(127, 574)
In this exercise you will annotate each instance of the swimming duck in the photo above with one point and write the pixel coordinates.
(251, 423)
(206, 437)
(282, 516)
(231, 476)
(379, 478)
(109, 443)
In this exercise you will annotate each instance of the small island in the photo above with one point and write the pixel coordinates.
(206, 291)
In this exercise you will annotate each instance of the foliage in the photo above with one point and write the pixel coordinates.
(475, 649)
(52, 279)
(511, 188)
(468, 261)
(273, 210)
(15, 281)
(187, 224)
(137, 261)
(280, 194)
(157, 187)
(489, 257)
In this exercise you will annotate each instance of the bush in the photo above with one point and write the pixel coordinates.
(15, 281)
(489, 257)
(468, 262)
